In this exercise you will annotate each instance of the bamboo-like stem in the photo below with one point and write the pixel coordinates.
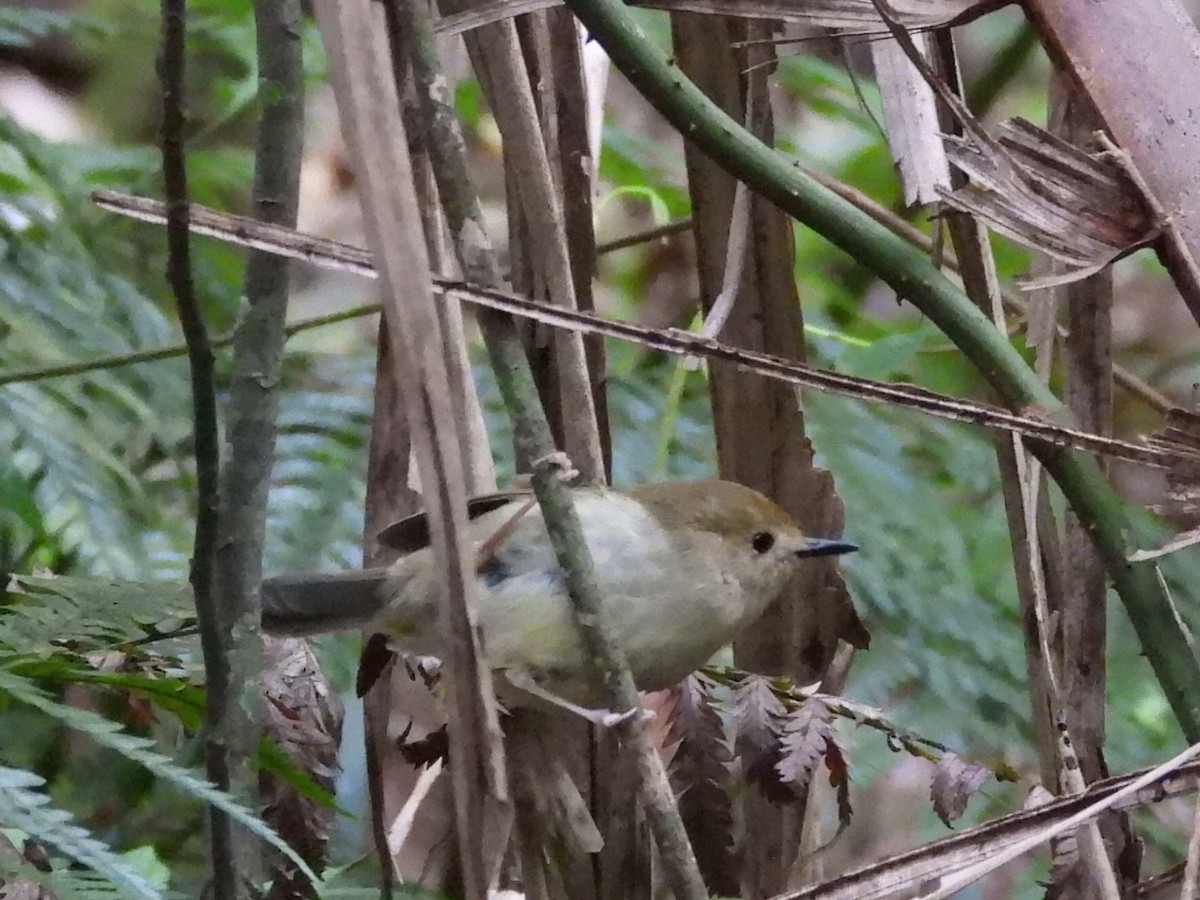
(1165, 643)
(533, 439)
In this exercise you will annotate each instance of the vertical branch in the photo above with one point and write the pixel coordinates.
(745, 260)
(1088, 391)
(427, 855)
(577, 166)
(389, 497)
(253, 393)
(1037, 556)
(355, 38)
(496, 56)
(533, 441)
(205, 436)
(1030, 519)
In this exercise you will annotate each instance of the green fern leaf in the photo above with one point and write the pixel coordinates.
(86, 614)
(141, 750)
(23, 806)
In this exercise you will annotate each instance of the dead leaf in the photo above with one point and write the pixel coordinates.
(955, 781)
(806, 737)
(1080, 208)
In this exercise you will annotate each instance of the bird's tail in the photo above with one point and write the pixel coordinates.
(306, 604)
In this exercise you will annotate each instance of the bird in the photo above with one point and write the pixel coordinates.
(682, 567)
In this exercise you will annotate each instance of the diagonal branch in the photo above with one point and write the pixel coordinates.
(344, 257)
(1163, 638)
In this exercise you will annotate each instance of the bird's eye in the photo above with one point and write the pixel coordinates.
(762, 541)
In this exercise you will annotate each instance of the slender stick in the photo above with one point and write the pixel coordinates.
(532, 433)
(253, 405)
(204, 414)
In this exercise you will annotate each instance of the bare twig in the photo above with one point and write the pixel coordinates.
(170, 351)
(354, 35)
(346, 258)
(205, 431)
(496, 55)
(532, 434)
(1190, 886)
(644, 237)
(353, 259)
(254, 402)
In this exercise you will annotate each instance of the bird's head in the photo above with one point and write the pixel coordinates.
(760, 543)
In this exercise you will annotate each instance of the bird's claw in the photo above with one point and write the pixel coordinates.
(607, 718)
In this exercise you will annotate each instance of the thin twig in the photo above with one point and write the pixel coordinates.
(1190, 886)
(644, 237)
(345, 258)
(355, 36)
(342, 257)
(532, 434)
(253, 405)
(205, 435)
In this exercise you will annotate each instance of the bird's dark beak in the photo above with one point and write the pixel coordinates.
(824, 547)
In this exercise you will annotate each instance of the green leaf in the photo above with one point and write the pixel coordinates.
(85, 614)
(141, 750)
(25, 807)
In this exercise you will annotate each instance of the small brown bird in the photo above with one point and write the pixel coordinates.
(682, 568)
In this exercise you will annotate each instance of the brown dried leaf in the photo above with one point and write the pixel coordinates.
(376, 656)
(839, 779)
(21, 887)
(807, 736)
(955, 781)
(758, 715)
(910, 117)
(700, 773)
(1181, 434)
(1045, 193)
(304, 717)
(427, 750)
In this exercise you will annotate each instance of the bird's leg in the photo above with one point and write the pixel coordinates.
(607, 718)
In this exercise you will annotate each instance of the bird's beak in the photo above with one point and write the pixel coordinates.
(824, 547)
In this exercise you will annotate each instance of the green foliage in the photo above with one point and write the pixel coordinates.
(140, 750)
(87, 614)
(24, 807)
(90, 449)
(22, 25)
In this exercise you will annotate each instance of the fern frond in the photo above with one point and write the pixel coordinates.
(23, 806)
(140, 750)
(87, 614)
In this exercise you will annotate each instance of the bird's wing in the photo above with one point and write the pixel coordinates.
(313, 602)
(411, 533)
